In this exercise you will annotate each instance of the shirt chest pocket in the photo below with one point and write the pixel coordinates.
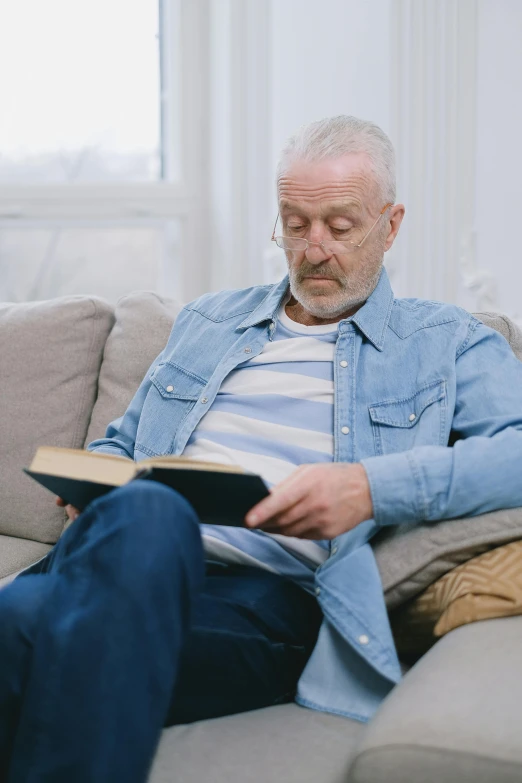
(416, 420)
(173, 393)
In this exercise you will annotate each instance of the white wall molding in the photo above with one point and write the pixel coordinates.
(191, 34)
(433, 95)
(240, 117)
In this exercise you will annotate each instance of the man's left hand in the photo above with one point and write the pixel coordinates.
(316, 501)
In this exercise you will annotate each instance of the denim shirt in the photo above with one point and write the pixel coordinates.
(411, 376)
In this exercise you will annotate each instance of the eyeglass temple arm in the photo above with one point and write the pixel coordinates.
(381, 213)
(275, 224)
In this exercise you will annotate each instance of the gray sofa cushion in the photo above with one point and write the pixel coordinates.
(143, 324)
(50, 354)
(17, 554)
(285, 743)
(506, 327)
(411, 557)
(455, 718)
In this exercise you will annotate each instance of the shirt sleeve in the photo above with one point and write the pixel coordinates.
(120, 437)
(482, 471)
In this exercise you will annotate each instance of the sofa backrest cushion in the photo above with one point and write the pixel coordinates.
(50, 355)
(143, 324)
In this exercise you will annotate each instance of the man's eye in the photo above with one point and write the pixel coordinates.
(295, 228)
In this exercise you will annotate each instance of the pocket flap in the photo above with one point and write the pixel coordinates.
(407, 412)
(173, 382)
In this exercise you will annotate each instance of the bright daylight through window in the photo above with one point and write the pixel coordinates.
(80, 126)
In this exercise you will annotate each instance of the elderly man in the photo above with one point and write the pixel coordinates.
(345, 400)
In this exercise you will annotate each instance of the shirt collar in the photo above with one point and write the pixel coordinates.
(372, 318)
(267, 309)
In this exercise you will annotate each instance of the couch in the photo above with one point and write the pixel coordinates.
(68, 367)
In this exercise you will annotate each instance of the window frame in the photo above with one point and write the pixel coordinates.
(183, 47)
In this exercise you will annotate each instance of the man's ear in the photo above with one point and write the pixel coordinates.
(395, 219)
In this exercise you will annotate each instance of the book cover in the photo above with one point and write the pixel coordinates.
(220, 496)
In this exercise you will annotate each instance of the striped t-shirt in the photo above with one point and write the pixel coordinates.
(271, 414)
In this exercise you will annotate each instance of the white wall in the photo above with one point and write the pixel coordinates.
(437, 75)
(499, 152)
(329, 57)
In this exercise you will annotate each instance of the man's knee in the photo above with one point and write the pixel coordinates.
(148, 508)
(145, 527)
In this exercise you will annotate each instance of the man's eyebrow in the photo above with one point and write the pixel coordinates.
(339, 208)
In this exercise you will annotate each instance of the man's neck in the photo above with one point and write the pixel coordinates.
(297, 313)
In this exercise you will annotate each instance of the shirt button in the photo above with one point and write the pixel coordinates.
(317, 590)
(204, 400)
(363, 639)
(248, 349)
(344, 363)
(345, 430)
(334, 549)
(412, 417)
(170, 388)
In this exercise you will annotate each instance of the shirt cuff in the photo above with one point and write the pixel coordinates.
(396, 488)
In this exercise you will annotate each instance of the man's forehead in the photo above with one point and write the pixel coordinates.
(345, 183)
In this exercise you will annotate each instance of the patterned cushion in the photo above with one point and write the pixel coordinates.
(485, 587)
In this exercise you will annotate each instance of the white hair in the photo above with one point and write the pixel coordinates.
(334, 137)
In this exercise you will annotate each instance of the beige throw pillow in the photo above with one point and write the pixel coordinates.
(485, 587)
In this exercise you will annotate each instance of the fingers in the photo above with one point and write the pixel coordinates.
(60, 502)
(289, 517)
(283, 497)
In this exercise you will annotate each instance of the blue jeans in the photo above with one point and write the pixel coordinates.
(122, 629)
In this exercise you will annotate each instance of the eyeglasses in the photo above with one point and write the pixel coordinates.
(330, 246)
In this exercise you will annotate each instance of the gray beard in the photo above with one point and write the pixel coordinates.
(352, 292)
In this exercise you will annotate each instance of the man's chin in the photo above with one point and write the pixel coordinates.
(324, 288)
(320, 305)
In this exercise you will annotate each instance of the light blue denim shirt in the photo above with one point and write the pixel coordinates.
(419, 375)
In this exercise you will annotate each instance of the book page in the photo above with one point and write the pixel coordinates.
(83, 465)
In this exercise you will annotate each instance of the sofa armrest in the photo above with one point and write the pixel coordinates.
(456, 716)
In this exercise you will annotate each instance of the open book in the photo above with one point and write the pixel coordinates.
(220, 494)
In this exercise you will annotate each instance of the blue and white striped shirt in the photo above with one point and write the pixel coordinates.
(271, 414)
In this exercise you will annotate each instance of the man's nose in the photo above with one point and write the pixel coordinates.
(315, 253)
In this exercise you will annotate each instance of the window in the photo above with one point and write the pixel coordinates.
(80, 91)
(93, 196)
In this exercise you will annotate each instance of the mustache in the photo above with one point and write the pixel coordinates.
(306, 270)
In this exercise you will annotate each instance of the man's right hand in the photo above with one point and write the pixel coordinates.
(72, 511)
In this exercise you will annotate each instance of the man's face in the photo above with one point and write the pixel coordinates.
(333, 199)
